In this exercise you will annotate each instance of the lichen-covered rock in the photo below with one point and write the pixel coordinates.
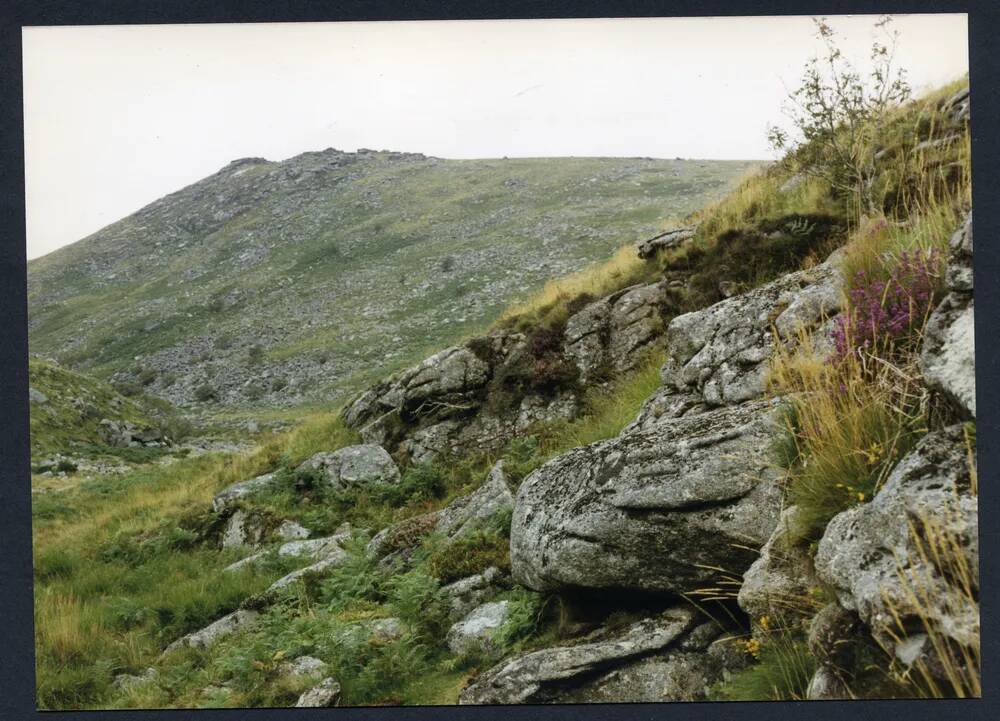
(302, 667)
(652, 510)
(674, 676)
(334, 558)
(227, 497)
(722, 352)
(440, 386)
(386, 630)
(778, 583)
(474, 633)
(323, 695)
(215, 631)
(539, 409)
(355, 466)
(611, 333)
(871, 555)
(544, 676)
(245, 528)
(948, 354)
(467, 593)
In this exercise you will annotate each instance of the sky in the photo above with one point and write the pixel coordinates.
(119, 116)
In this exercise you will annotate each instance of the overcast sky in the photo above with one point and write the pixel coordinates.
(118, 116)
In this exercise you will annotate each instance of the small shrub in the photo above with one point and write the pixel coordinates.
(129, 389)
(255, 354)
(470, 554)
(278, 384)
(147, 376)
(204, 393)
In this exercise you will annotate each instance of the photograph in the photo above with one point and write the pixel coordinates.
(501, 362)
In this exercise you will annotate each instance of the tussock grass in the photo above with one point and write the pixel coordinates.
(848, 425)
(781, 672)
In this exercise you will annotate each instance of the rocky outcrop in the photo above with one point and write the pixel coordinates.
(123, 434)
(302, 667)
(948, 354)
(652, 510)
(443, 385)
(646, 661)
(879, 556)
(611, 333)
(722, 353)
(665, 241)
(246, 528)
(354, 466)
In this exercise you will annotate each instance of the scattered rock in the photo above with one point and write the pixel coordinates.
(542, 676)
(665, 241)
(323, 695)
(386, 630)
(291, 531)
(355, 466)
(125, 682)
(467, 593)
(474, 633)
(228, 497)
(36, 396)
(245, 528)
(302, 667)
(223, 627)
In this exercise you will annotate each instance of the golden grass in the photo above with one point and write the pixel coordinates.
(951, 669)
(624, 268)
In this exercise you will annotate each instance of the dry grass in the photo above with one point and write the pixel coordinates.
(950, 669)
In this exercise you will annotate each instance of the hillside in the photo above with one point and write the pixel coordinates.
(740, 467)
(278, 283)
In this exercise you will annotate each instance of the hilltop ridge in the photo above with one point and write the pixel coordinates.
(284, 282)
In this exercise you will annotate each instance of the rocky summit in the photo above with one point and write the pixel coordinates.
(276, 283)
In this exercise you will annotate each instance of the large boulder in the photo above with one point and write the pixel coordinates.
(354, 467)
(551, 674)
(722, 352)
(948, 355)
(653, 510)
(882, 558)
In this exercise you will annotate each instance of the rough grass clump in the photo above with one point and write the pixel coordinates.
(781, 669)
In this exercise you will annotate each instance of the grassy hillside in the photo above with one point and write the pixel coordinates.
(123, 568)
(282, 283)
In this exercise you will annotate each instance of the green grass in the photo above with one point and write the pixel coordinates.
(780, 671)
